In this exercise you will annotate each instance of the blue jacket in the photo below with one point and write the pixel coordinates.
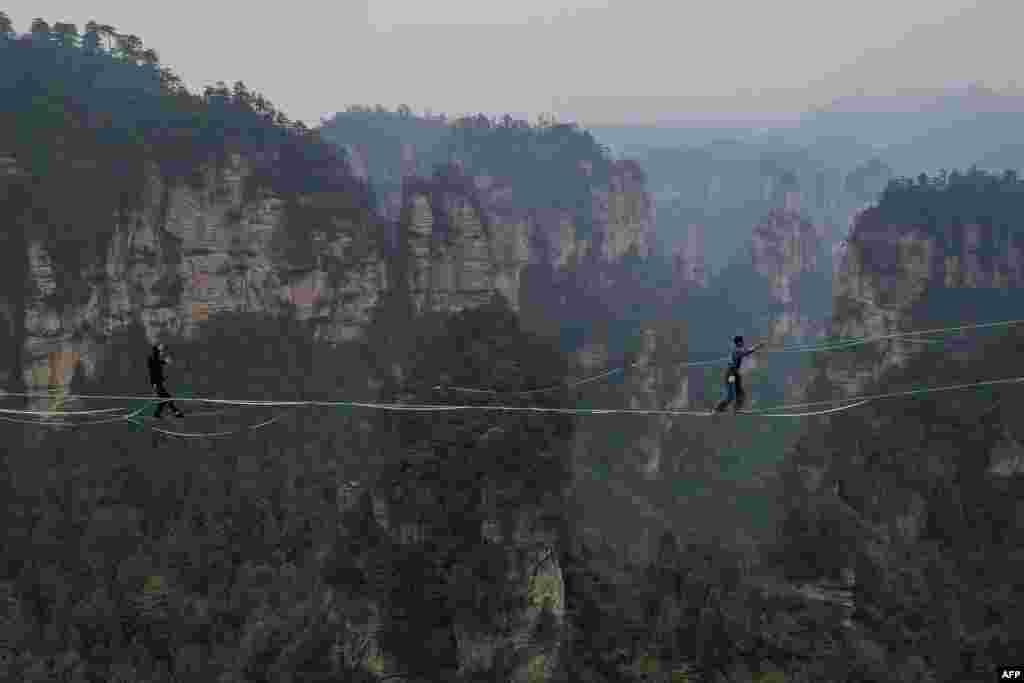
(737, 358)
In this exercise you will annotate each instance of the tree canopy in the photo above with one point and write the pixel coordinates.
(949, 198)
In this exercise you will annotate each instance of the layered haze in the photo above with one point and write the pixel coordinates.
(599, 63)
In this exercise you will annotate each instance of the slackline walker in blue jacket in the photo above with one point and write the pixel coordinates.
(733, 379)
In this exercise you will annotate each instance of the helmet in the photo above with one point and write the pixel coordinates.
(737, 340)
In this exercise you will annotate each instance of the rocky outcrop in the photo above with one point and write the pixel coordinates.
(623, 213)
(884, 272)
(784, 246)
(467, 239)
(457, 257)
(357, 162)
(656, 385)
(688, 257)
(192, 251)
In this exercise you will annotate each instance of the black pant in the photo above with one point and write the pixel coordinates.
(733, 392)
(162, 392)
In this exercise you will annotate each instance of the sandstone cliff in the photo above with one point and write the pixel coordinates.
(195, 251)
(885, 274)
(190, 252)
(898, 278)
(467, 239)
(785, 246)
(688, 257)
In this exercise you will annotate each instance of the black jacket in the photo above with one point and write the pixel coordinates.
(156, 368)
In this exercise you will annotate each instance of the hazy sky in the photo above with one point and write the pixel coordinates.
(594, 61)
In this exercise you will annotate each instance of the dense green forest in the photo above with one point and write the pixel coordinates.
(217, 528)
(949, 198)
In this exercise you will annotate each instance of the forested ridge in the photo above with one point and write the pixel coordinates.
(952, 198)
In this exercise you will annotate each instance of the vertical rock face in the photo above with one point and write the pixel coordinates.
(467, 240)
(460, 263)
(653, 382)
(884, 272)
(656, 386)
(357, 162)
(623, 213)
(784, 246)
(194, 250)
(688, 257)
(408, 165)
(188, 253)
(466, 243)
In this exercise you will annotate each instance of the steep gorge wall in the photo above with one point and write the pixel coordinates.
(190, 252)
(468, 239)
(886, 272)
(194, 251)
(785, 245)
